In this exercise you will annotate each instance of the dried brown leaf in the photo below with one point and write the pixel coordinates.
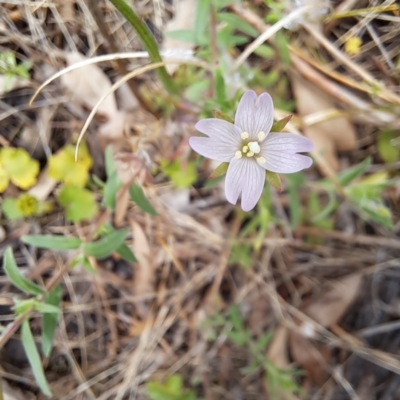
(329, 137)
(311, 357)
(330, 307)
(144, 273)
(86, 85)
(278, 348)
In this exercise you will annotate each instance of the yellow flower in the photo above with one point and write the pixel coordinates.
(352, 45)
(63, 167)
(17, 166)
(27, 204)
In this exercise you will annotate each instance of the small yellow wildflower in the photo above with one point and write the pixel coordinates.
(352, 45)
(28, 205)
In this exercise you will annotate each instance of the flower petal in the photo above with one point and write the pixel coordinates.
(255, 115)
(244, 176)
(212, 148)
(219, 129)
(279, 151)
(285, 163)
(287, 142)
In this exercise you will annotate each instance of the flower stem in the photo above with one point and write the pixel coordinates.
(147, 40)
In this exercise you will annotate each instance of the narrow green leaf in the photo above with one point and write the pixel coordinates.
(352, 173)
(52, 242)
(202, 18)
(265, 51)
(46, 308)
(219, 171)
(110, 191)
(147, 40)
(107, 245)
(220, 89)
(279, 125)
(49, 320)
(221, 115)
(237, 23)
(137, 196)
(33, 357)
(274, 179)
(11, 210)
(126, 253)
(15, 276)
(183, 35)
(22, 306)
(109, 161)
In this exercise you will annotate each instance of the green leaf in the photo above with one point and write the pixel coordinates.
(237, 23)
(109, 161)
(110, 191)
(22, 306)
(11, 210)
(387, 151)
(79, 203)
(52, 242)
(174, 384)
(220, 89)
(107, 245)
(15, 276)
(219, 171)
(126, 253)
(202, 18)
(50, 320)
(220, 115)
(279, 125)
(265, 51)
(352, 173)
(264, 340)
(46, 308)
(195, 91)
(235, 318)
(274, 179)
(282, 45)
(33, 357)
(138, 197)
(181, 175)
(183, 35)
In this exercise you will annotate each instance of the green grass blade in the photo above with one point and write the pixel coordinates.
(15, 276)
(52, 242)
(33, 357)
(49, 320)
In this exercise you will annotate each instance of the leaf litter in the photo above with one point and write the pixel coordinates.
(319, 300)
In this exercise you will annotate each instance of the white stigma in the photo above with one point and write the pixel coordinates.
(261, 160)
(250, 154)
(261, 136)
(254, 147)
(238, 154)
(244, 135)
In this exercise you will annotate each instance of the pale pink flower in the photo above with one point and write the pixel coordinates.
(250, 148)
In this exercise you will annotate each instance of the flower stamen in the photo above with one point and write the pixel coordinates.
(250, 154)
(254, 147)
(238, 154)
(245, 149)
(261, 136)
(261, 160)
(244, 135)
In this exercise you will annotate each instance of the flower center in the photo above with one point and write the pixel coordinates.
(251, 148)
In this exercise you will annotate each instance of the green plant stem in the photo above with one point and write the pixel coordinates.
(147, 40)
